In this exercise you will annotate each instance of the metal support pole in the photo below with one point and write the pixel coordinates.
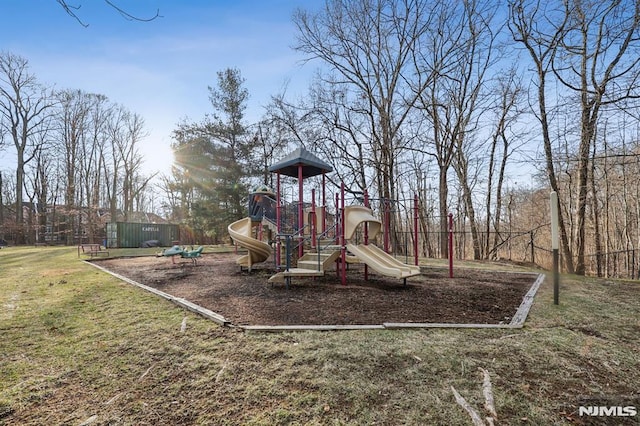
(556, 276)
(278, 221)
(336, 224)
(324, 203)
(387, 225)
(450, 245)
(312, 219)
(343, 248)
(415, 229)
(300, 211)
(555, 245)
(288, 254)
(366, 234)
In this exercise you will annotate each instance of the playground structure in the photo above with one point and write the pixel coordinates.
(174, 251)
(326, 245)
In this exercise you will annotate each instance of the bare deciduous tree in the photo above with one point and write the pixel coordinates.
(24, 106)
(72, 121)
(132, 181)
(503, 144)
(598, 59)
(367, 45)
(592, 50)
(541, 43)
(452, 64)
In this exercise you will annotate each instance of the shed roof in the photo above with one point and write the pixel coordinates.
(311, 165)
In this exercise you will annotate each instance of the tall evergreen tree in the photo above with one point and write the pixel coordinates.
(231, 145)
(215, 157)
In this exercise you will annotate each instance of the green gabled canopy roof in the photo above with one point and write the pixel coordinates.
(311, 165)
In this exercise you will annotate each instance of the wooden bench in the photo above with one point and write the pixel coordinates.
(92, 250)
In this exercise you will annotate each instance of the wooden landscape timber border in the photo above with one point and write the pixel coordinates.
(516, 322)
(523, 310)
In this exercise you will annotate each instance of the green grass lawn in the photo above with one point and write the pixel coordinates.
(77, 345)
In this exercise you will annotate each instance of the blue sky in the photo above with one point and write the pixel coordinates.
(160, 69)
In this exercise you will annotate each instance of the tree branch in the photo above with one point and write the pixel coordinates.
(72, 11)
(131, 17)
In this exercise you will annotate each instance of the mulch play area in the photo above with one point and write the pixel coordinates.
(243, 298)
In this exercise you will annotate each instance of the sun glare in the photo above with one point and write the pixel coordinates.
(158, 157)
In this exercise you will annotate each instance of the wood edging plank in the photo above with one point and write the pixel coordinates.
(310, 327)
(527, 301)
(384, 326)
(398, 325)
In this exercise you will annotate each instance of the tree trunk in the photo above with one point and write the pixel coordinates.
(20, 235)
(595, 211)
(463, 177)
(553, 182)
(497, 215)
(1, 207)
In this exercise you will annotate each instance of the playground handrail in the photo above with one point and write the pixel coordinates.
(319, 237)
(299, 235)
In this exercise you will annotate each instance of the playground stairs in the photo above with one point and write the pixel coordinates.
(328, 244)
(309, 265)
(310, 260)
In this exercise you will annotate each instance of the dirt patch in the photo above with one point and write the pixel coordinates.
(217, 283)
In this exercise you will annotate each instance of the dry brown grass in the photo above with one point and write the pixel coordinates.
(80, 346)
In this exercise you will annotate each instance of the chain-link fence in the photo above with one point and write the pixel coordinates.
(527, 248)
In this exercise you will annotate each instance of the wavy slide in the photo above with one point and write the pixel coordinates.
(240, 232)
(382, 262)
(379, 260)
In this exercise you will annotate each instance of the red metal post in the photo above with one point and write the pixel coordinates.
(300, 212)
(336, 240)
(366, 234)
(312, 219)
(336, 231)
(387, 224)
(415, 228)
(324, 203)
(343, 249)
(450, 245)
(278, 213)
